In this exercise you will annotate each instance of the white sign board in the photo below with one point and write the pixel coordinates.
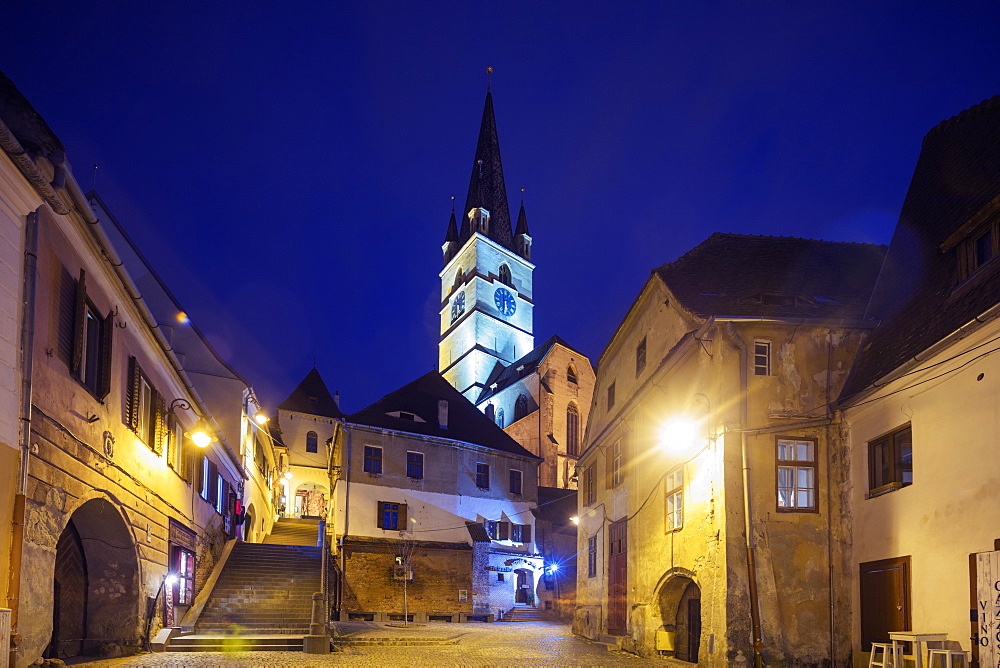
(4, 636)
(988, 608)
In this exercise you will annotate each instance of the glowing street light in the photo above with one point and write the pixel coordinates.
(679, 435)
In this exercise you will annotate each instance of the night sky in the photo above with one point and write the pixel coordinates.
(288, 167)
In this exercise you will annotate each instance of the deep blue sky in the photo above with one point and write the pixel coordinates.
(288, 167)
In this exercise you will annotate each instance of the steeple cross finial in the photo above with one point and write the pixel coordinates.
(489, 78)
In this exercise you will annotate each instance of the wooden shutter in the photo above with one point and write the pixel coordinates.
(104, 372)
(504, 531)
(79, 322)
(159, 422)
(380, 516)
(132, 396)
(401, 525)
(67, 306)
(525, 533)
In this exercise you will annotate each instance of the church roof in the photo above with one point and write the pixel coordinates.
(312, 398)
(777, 277)
(413, 408)
(505, 376)
(522, 222)
(486, 185)
(920, 297)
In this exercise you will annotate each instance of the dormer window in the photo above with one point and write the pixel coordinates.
(979, 248)
(479, 220)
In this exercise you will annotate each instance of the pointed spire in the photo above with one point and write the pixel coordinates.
(452, 233)
(522, 222)
(486, 187)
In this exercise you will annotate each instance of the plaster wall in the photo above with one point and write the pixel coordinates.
(950, 510)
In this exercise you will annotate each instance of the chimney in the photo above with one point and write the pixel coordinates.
(336, 399)
(443, 413)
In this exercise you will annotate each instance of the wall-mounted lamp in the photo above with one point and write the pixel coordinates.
(201, 435)
(259, 417)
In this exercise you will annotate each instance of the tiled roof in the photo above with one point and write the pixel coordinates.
(420, 398)
(486, 185)
(28, 126)
(915, 299)
(312, 398)
(477, 532)
(744, 275)
(505, 376)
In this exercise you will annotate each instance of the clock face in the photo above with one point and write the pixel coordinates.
(458, 306)
(505, 301)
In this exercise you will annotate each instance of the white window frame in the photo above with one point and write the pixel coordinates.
(674, 484)
(791, 465)
(761, 357)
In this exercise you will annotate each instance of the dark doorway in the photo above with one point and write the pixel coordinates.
(693, 629)
(69, 597)
(525, 586)
(885, 599)
(617, 577)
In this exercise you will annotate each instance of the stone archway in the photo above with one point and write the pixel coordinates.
(95, 583)
(679, 603)
(310, 500)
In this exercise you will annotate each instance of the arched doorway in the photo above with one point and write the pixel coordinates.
(95, 583)
(524, 587)
(310, 500)
(248, 520)
(680, 611)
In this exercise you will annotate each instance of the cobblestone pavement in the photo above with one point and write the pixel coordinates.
(521, 644)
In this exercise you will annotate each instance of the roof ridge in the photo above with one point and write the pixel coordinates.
(964, 115)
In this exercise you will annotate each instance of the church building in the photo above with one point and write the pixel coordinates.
(539, 395)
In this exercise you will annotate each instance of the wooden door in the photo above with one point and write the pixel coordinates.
(885, 599)
(617, 577)
(694, 628)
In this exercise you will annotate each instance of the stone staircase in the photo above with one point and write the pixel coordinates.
(522, 612)
(288, 531)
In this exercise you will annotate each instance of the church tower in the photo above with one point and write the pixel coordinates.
(486, 302)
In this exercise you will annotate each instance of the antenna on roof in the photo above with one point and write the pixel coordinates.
(95, 177)
(522, 196)
(489, 78)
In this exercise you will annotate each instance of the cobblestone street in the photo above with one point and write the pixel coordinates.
(523, 644)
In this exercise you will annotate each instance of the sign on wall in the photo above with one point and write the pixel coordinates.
(988, 607)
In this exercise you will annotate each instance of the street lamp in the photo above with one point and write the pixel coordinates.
(679, 435)
(259, 417)
(201, 435)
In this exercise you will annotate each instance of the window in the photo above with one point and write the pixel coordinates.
(84, 335)
(505, 275)
(373, 459)
(589, 487)
(497, 529)
(762, 358)
(490, 412)
(515, 481)
(500, 418)
(205, 478)
(178, 452)
(617, 462)
(890, 461)
(979, 247)
(675, 499)
(520, 533)
(592, 556)
(145, 409)
(796, 474)
(571, 374)
(483, 476)
(611, 395)
(640, 357)
(415, 465)
(311, 440)
(520, 407)
(391, 516)
(572, 430)
(183, 569)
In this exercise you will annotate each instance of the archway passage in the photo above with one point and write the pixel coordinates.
(95, 584)
(680, 610)
(310, 501)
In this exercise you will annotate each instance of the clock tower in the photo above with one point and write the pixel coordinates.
(486, 302)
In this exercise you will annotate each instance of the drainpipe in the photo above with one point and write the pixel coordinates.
(758, 643)
(829, 498)
(347, 523)
(24, 419)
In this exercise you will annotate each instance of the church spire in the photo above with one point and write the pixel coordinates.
(451, 236)
(487, 190)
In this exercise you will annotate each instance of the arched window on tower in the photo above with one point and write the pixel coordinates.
(572, 430)
(500, 418)
(505, 275)
(571, 374)
(490, 412)
(520, 408)
(311, 440)
(459, 279)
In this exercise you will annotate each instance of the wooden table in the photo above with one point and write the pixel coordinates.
(918, 640)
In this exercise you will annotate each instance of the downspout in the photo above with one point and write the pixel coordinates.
(347, 523)
(24, 418)
(829, 498)
(758, 643)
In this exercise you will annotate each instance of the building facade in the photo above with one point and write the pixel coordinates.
(920, 404)
(710, 486)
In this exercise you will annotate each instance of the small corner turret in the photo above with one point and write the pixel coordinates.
(522, 240)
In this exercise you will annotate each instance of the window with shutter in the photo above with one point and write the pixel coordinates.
(83, 337)
(145, 409)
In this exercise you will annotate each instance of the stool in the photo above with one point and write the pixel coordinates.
(947, 655)
(888, 655)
